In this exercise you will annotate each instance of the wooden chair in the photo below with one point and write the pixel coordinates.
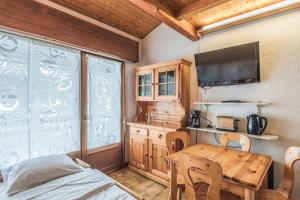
(173, 138)
(203, 179)
(243, 140)
(285, 188)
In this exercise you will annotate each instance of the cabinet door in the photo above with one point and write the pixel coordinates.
(157, 163)
(145, 85)
(138, 152)
(167, 83)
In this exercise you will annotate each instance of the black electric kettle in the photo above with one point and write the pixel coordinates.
(256, 124)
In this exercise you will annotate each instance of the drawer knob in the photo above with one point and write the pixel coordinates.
(160, 136)
(138, 131)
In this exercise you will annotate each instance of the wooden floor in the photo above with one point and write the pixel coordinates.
(141, 185)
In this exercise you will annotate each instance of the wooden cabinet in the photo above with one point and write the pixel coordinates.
(138, 147)
(162, 92)
(163, 81)
(148, 151)
(166, 83)
(157, 154)
(145, 85)
(138, 151)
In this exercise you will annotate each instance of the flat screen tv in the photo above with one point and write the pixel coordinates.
(229, 66)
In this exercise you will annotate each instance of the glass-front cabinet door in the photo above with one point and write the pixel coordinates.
(166, 83)
(145, 89)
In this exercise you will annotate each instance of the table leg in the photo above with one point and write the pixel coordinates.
(173, 182)
(249, 194)
(265, 183)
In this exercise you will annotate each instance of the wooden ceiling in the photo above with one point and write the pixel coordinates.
(227, 10)
(120, 14)
(139, 17)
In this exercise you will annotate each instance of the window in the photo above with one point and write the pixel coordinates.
(39, 99)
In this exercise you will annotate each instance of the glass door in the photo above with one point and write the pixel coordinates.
(166, 83)
(103, 96)
(144, 86)
(104, 102)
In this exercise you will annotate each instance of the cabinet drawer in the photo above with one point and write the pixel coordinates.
(159, 136)
(138, 131)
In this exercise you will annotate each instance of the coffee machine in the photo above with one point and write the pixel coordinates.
(194, 121)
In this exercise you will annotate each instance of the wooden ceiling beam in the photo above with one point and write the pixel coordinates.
(197, 7)
(182, 26)
(163, 5)
(243, 20)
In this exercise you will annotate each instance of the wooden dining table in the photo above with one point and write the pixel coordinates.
(243, 172)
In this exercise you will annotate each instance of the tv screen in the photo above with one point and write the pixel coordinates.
(229, 66)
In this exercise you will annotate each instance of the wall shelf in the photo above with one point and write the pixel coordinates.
(206, 103)
(261, 137)
(258, 104)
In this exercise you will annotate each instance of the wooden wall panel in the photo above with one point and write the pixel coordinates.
(106, 160)
(32, 17)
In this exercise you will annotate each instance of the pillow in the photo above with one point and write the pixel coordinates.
(5, 173)
(33, 172)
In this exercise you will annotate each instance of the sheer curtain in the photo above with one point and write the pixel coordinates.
(39, 99)
(104, 99)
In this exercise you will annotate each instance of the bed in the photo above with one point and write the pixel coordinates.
(88, 184)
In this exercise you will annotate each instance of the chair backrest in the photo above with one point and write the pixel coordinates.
(286, 186)
(243, 140)
(172, 137)
(201, 171)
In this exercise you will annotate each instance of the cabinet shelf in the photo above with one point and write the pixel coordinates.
(261, 137)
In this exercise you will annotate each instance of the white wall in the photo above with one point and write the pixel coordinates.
(279, 38)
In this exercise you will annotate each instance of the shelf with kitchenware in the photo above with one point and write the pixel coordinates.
(256, 124)
(213, 130)
(257, 104)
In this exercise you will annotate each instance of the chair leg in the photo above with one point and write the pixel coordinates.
(179, 193)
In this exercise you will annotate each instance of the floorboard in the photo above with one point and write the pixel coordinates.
(141, 185)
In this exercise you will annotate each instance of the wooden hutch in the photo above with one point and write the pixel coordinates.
(162, 95)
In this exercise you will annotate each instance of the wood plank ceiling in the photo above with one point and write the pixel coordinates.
(139, 17)
(33, 18)
(120, 14)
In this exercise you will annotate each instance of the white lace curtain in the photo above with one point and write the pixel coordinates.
(104, 102)
(39, 99)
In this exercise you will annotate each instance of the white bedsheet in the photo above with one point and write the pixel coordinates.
(86, 185)
(2, 187)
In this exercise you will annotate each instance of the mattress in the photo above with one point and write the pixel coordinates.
(86, 185)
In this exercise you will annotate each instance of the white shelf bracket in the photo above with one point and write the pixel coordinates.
(199, 107)
(258, 111)
(203, 107)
